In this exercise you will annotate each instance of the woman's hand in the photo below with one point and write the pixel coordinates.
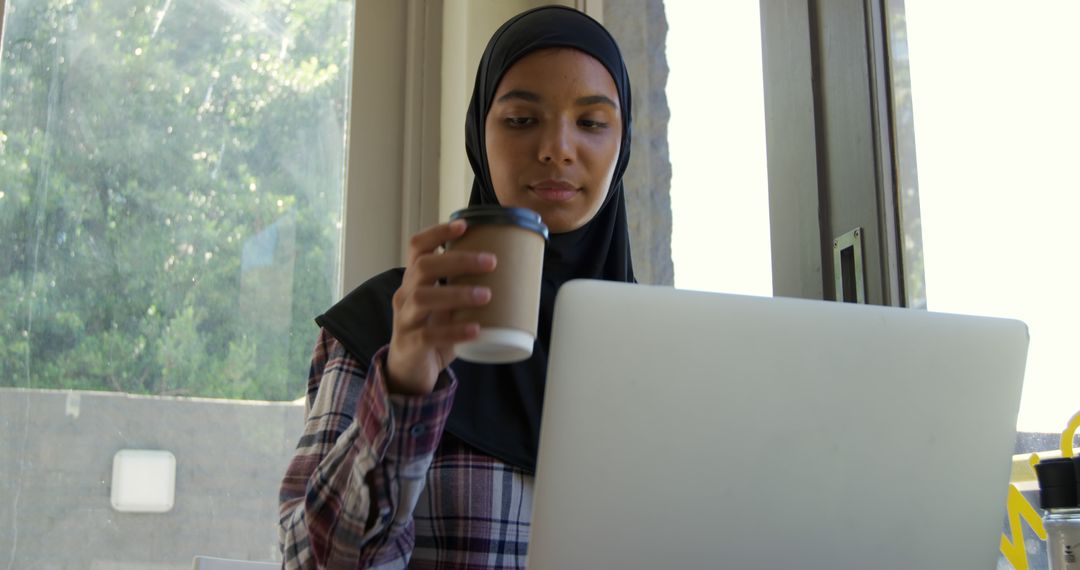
(422, 342)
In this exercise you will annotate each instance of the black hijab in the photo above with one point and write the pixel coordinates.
(497, 407)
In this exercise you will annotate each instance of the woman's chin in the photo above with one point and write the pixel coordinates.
(561, 224)
(559, 216)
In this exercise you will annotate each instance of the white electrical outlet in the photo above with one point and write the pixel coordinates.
(143, 481)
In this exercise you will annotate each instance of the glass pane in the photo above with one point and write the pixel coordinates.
(995, 126)
(716, 136)
(171, 177)
(163, 165)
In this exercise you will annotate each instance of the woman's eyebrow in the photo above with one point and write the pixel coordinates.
(597, 99)
(535, 98)
(519, 94)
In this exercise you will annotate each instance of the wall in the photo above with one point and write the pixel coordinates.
(640, 27)
(56, 476)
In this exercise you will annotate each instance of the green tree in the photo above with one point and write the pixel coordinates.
(171, 178)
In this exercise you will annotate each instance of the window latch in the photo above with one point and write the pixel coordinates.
(848, 267)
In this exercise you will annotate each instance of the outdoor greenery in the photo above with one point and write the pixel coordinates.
(170, 190)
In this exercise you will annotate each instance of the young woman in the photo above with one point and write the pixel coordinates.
(411, 459)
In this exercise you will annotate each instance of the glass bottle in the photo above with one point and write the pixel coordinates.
(1058, 495)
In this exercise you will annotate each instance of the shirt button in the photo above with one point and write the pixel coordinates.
(418, 430)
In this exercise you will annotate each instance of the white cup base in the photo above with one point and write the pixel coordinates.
(496, 346)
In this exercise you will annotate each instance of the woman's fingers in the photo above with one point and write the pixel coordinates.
(451, 297)
(431, 268)
(419, 295)
(428, 240)
(423, 334)
(428, 300)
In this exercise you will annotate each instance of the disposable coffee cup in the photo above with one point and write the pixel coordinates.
(509, 321)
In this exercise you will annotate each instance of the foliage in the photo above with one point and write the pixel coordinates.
(170, 189)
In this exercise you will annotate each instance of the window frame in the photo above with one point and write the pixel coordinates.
(391, 186)
(828, 92)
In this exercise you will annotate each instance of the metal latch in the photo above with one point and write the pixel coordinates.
(848, 267)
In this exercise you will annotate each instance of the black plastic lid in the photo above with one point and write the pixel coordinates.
(1076, 470)
(487, 214)
(1057, 483)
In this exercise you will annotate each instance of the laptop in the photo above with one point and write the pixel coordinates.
(684, 429)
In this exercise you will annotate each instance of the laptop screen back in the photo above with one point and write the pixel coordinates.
(697, 430)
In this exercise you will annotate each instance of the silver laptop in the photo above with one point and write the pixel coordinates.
(697, 430)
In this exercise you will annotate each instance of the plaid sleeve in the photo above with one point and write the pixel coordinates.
(347, 498)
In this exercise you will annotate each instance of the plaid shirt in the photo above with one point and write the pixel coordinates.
(376, 484)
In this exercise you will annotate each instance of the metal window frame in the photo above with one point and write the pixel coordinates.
(830, 139)
(392, 187)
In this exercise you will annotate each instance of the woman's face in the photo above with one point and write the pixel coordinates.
(553, 135)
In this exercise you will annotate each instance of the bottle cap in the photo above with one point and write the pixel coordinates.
(1076, 470)
(1057, 483)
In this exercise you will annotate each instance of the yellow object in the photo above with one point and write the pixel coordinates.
(1023, 465)
(1018, 507)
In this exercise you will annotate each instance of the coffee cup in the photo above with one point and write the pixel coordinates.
(508, 323)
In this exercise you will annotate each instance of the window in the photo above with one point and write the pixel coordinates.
(171, 178)
(995, 126)
(172, 193)
(719, 192)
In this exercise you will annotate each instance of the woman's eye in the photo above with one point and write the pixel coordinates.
(591, 124)
(519, 121)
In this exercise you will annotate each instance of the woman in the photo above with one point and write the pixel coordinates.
(409, 459)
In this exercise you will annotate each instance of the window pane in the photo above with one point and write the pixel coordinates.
(716, 135)
(995, 127)
(172, 177)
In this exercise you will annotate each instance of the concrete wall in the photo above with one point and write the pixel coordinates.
(640, 27)
(56, 476)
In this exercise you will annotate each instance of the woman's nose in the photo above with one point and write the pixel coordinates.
(556, 144)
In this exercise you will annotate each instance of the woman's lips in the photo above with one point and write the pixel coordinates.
(554, 190)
